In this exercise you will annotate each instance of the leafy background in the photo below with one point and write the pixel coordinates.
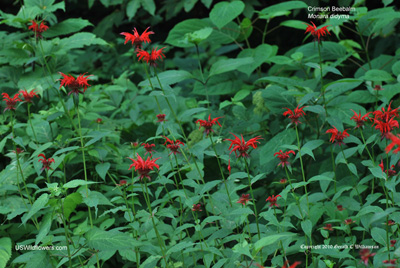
(255, 61)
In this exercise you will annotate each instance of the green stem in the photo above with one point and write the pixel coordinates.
(302, 169)
(252, 196)
(334, 168)
(352, 176)
(30, 122)
(322, 79)
(66, 233)
(364, 47)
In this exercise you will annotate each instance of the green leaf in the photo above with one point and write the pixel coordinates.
(167, 78)
(197, 37)
(179, 247)
(132, 7)
(176, 36)
(224, 12)
(271, 239)
(66, 27)
(77, 183)
(38, 205)
(109, 240)
(307, 227)
(281, 9)
(377, 172)
(44, 228)
(379, 235)
(70, 203)
(377, 76)
(223, 66)
(149, 6)
(259, 54)
(79, 40)
(102, 169)
(5, 251)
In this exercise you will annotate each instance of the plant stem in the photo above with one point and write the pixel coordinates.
(302, 169)
(352, 175)
(30, 122)
(252, 196)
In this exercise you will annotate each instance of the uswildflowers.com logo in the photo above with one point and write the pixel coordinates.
(35, 247)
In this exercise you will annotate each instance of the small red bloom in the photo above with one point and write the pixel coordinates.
(38, 29)
(229, 166)
(273, 200)
(75, 85)
(150, 58)
(365, 254)
(328, 227)
(148, 147)
(385, 126)
(360, 119)
(395, 142)
(207, 124)
(284, 156)
(295, 114)
(349, 221)
(144, 166)
(340, 207)
(28, 96)
(317, 33)
(122, 183)
(393, 261)
(196, 207)
(135, 145)
(99, 121)
(337, 136)
(173, 146)
(11, 102)
(385, 115)
(283, 181)
(390, 222)
(291, 266)
(242, 146)
(161, 118)
(137, 39)
(244, 199)
(392, 242)
(391, 172)
(19, 151)
(46, 162)
(378, 87)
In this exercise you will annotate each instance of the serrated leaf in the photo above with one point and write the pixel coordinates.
(38, 205)
(224, 12)
(102, 169)
(77, 183)
(5, 251)
(109, 240)
(223, 66)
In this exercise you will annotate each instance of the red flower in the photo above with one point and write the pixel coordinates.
(75, 85)
(46, 162)
(378, 87)
(395, 142)
(150, 58)
(360, 119)
(291, 266)
(295, 114)
(242, 146)
(385, 126)
(122, 183)
(173, 146)
(135, 145)
(148, 147)
(365, 255)
(392, 242)
(393, 261)
(349, 221)
(161, 118)
(283, 181)
(391, 172)
(390, 222)
(337, 135)
(196, 207)
(284, 156)
(340, 208)
(317, 33)
(328, 227)
(38, 29)
(28, 96)
(144, 166)
(18, 151)
(385, 115)
(207, 124)
(273, 200)
(11, 102)
(137, 39)
(244, 199)
(99, 121)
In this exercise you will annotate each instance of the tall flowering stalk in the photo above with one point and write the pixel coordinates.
(28, 96)
(241, 148)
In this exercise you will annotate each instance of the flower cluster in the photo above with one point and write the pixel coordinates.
(137, 39)
(283, 157)
(173, 146)
(10, 102)
(390, 172)
(317, 33)
(360, 120)
(150, 58)
(244, 199)
(295, 114)
(28, 96)
(385, 120)
(45, 162)
(38, 29)
(148, 147)
(208, 124)
(272, 199)
(75, 85)
(143, 167)
(241, 146)
(337, 136)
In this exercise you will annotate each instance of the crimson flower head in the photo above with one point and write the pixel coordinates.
(161, 118)
(393, 261)
(365, 254)
(45, 162)
(11, 102)
(390, 222)
(386, 114)
(390, 172)
(392, 242)
(286, 265)
(340, 207)
(328, 227)
(349, 221)
(395, 142)
(295, 114)
(148, 147)
(18, 151)
(28, 96)
(360, 119)
(122, 183)
(150, 58)
(284, 156)
(386, 126)
(241, 146)
(143, 167)
(207, 124)
(378, 87)
(283, 181)
(196, 207)
(244, 199)
(38, 29)
(173, 146)
(137, 39)
(75, 85)
(317, 33)
(99, 121)
(135, 144)
(337, 136)
(273, 200)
